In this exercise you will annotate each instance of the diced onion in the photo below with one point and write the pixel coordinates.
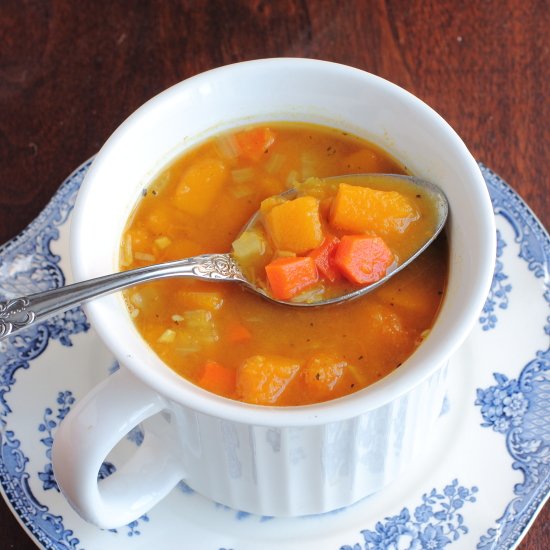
(167, 337)
(197, 317)
(310, 296)
(227, 146)
(127, 255)
(308, 165)
(242, 190)
(242, 175)
(284, 254)
(275, 163)
(291, 178)
(163, 242)
(161, 182)
(137, 299)
(249, 245)
(144, 257)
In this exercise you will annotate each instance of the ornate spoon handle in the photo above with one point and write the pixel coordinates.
(19, 313)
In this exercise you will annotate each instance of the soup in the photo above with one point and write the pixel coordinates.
(234, 343)
(327, 238)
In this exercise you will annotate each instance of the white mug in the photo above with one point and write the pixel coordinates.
(280, 461)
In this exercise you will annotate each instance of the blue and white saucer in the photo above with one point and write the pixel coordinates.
(480, 484)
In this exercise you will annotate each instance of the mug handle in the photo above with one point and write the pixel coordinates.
(92, 429)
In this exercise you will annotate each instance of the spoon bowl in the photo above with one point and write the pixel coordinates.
(382, 182)
(21, 312)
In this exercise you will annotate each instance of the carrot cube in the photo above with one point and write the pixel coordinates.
(288, 276)
(252, 144)
(238, 333)
(324, 257)
(361, 259)
(218, 378)
(295, 225)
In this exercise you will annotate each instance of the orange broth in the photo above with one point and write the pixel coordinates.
(234, 343)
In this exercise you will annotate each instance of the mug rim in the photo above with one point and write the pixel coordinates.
(420, 365)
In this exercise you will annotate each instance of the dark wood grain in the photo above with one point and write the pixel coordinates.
(71, 72)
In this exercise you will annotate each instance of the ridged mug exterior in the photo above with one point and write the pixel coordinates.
(303, 470)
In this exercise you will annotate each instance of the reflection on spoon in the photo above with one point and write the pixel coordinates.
(21, 312)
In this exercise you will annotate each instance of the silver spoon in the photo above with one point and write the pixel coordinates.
(21, 312)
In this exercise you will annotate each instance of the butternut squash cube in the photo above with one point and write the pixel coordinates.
(271, 202)
(249, 246)
(364, 161)
(362, 209)
(193, 300)
(199, 186)
(295, 226)
(321, 374)
(261, 379)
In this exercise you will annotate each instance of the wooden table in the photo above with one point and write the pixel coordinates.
(71, 72)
